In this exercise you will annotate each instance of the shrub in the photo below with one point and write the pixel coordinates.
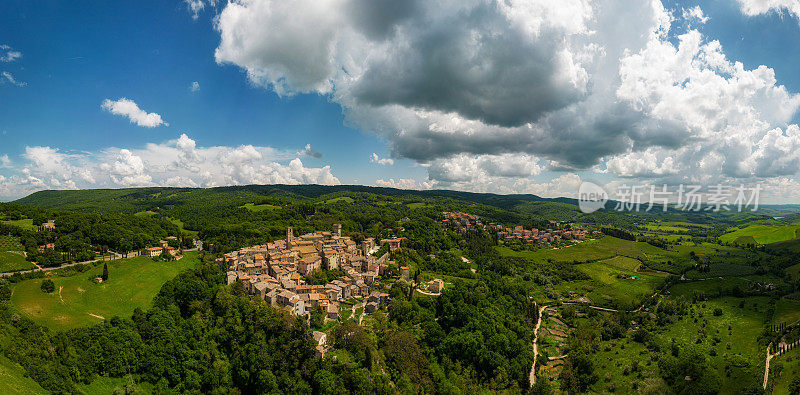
(48, 286)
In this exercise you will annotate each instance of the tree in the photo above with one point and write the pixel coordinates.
(794, 387)
(105, 272)
(317, 318)
(5, 292)
(165, 256)
(48, 286)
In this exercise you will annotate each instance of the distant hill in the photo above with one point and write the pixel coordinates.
(133, 200)
(168, 200)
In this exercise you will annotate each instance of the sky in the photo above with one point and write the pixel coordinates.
(511, 96)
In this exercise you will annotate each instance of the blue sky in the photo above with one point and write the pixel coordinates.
(75, 55)
(409, 106)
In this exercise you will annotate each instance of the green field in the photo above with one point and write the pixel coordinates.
(179, 224)
(259, 207)
(612, 360)
(22, 223)
(787, 310)
(113, 385)
(762, 234)
(14, 381)
(10, 262)
(10, 243)
(606, 247)
(712, 286)
(746, 323)
(722, 269)
(688, 289)
(791, 370)
(416, 205)
(78, 301)
(145, 214)
(794, 271)
(666, 228)
(609, 288)
(624, 263)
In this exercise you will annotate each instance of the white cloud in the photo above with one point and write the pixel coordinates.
(287, 45)
(13, 81)
(758, 7)
(130, 109)
(180, 162)
(465, 87)
(5, 161)
(127, 169)
(374, 158)
(505, 173)
(195, 6)
(694, 14)
(7, 54)
(482, 168)
(730, 119)
(195, 86)
(404, 183)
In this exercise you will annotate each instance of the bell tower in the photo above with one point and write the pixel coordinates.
(289, 235)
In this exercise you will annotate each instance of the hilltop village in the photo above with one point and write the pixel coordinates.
(276, 271)
(558, 233)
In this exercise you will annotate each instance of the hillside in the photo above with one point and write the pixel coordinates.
(134, 199)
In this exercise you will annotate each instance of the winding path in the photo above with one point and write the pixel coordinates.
(782, 344)
(766, 368)
(47, 269)
(532, 376)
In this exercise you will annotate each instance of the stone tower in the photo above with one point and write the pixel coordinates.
(289, 235)
(337, 229)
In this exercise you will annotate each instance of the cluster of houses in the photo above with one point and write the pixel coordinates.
(558, 233)
(275, 271)
(542, 237)
(163, 246)
(461, 221)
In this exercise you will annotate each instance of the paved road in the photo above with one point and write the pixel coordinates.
(46, 269)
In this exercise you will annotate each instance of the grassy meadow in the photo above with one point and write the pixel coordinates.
(794, 271)
(11, 262)
(179, 224)
(761, 234)
(736, 346)
(612, 285)
(13, 379)
(606, 247)
(10, 243)
(77, 301)
(22, 223)
(787, 311)
(790, 369)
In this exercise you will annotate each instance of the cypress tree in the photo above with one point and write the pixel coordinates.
(105, 272)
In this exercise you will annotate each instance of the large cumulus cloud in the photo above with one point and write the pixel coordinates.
(570, 84)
